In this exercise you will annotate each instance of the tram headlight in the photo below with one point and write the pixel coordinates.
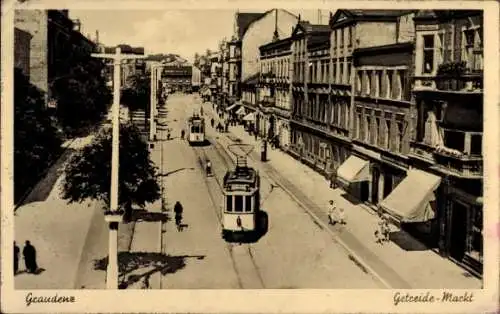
(238, 222)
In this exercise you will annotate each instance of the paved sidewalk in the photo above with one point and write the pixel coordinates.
(57, 230)
(147, 239)
(417, 267)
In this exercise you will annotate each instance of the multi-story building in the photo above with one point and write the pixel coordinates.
(448, 129)
(252, 31)
(309, 130)
(22, 42)
(242, 22)
(355, 30)
(56, 42)
(177, 77)
(274, 89)
(130, 67)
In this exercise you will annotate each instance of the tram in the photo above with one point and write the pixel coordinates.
(241, 190)
(196, 130)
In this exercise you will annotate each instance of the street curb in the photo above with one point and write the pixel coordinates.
(43, 175)
(325, 226)
(80, 254)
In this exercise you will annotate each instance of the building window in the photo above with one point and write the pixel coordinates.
(399, 138)
(387, 134)
(428, 62)
(476, 147)
(341, 73)
(367, 137)
(327, 72)
(359, 127)
(376, 131)
(379, 83)
(454, 140)
(389, 85)
(403, 95)
(334, 71)
(366, 79)
(350, 35)
(341, 37)
(472, 48)
(349, 72)
(358, 82)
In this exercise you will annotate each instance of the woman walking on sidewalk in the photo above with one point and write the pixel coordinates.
(332, 213)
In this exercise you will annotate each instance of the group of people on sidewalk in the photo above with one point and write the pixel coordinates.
(29, 254)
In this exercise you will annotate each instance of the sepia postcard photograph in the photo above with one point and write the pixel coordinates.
(264, 157)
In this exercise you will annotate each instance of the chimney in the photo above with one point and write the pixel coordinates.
(276, 34)
(97, 37)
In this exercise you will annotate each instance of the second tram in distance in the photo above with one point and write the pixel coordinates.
(196, 130)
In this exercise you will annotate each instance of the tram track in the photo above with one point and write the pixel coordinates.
(214, 183)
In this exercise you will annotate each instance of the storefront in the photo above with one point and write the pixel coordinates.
(353, 175)
(413, 204)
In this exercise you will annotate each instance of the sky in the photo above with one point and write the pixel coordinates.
(178, 31)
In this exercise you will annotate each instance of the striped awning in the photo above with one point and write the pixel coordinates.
(411, 200)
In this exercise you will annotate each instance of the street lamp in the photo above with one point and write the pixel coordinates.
(153, 110)
(114, 216)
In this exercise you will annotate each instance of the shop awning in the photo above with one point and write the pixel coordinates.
(240, 111)
(410, 200)
(249, 117)
(354, 169)
(231, 107)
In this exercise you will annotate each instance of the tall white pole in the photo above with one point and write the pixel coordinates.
(152, 104)
(112, 271)
(113, 217)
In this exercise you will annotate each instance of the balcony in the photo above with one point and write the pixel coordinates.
(452, 77)
(468, 83)
(449, 161)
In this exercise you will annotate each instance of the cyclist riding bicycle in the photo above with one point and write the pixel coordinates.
(178, 215)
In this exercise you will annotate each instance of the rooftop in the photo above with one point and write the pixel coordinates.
(244, 20)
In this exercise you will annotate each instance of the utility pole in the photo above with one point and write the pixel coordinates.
(153, 110)
(114, 216)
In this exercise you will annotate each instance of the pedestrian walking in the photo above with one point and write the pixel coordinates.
(212, 121)
(341, 214)
(29, 253)
(333, 179)
(16, 258)
(332, 213)
(386, 230)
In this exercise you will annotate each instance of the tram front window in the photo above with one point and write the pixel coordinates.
(248, 203)
(229, 203)
(238, 203)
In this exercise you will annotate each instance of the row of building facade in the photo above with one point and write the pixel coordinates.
(389, 103)
(45, 44)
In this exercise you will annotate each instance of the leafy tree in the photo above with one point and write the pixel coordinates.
(136, 96)
(82, 96)
(36, 140)
(88, 174)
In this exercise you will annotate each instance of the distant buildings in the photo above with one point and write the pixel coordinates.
(54, 43)
(129, 67)
(386, 103)
(177, 77)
